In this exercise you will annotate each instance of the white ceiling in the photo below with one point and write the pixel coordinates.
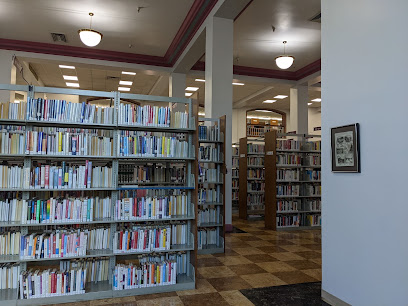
(149, 32)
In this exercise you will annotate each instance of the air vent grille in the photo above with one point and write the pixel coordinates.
(58, 37)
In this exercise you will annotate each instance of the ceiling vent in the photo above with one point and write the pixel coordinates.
(58, 37)
(317, 18)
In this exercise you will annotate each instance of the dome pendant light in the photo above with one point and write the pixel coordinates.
(90, 37)
(284, 61)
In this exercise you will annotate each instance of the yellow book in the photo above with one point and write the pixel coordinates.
(59, 141)
(163, 145)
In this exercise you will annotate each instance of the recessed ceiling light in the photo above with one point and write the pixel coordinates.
(125, 83)
(66, 67)
(70, 77)
(192, 88)
(239, 84)
(72, 84)
(128, 72)
(280, 97)
(199, 80)
(309, 103)
(262, 110)
(317, 100)
(123, 88)
(188, 94)
(269, 101)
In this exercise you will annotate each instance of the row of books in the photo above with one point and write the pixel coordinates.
(51, 282)
(12, 139)
(206, 237)
(256, 208)
(312, 160)
(292, 190)
(46, 176)
(55, 210)
(288, 144)
(10, 243)
(235, 151)
(255, 148)
(11, 176)
(206, 195)
(288, 159)
(209, 133)
(209, 215)
(288, 220)
(255, 161)
(313, 205)
(313, 190)
(258, 199)
(235, 195)
(255, 186)
(13, 110)
(151, 207)
(208, 153)
(57, 141)
(155, 173)
(288, 175)
(97, 269)
(133, 143)
(235, 183)
(210, 175)
(313, 145)
(256, 173)
(313, 175)
(9, 274)
(235, 173)
(148, 238)
(235, 162)
(298, 205)
(151, 116)
(314, 220)
(64, 243)
(63, 111)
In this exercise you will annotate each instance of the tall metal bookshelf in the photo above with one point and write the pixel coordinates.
(102, 290)
(293, 173)
(216, 164)
(235, 177)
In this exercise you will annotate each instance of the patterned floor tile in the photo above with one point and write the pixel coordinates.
(207, 299)
(315, 273)
(262, 280)
(276, 266)
(203, 286)
(285, 256)
(214, 272)
(235, 298)
(229, 283)
(260, 258)
(309, 254)
(294, 277)
(246, 269)
(234, 260)
(302, 264)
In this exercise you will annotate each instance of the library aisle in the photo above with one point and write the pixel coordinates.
(254, 258)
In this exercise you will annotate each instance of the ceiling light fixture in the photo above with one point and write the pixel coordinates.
(188, 94)
(70, 77)
(269, 101)
(284, 61)
(263, 118)
(90, 37)
(72, 84)
(263, 110)
(192, 88)
(66, 66)
(239, 84)
(128, 72)
(123, 88)
(129, 83)
(199, 80)
(309, 103)
(317, 100)
(280, 97)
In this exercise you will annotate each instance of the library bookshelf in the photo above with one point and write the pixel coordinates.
(163, 207)
(211, 186)
(293, 172)
(235, 177)
(251, 178)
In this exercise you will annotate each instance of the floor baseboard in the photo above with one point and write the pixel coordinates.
(332, 300)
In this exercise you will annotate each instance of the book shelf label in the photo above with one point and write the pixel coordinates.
(269, 152)
(242, 155)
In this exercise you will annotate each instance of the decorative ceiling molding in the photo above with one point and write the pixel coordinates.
(194, 19)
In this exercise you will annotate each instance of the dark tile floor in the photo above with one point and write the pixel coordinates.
(254, 258)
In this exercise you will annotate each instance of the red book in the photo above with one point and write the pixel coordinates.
(145, 239)
(47, 176)
(86, 173)
(120, 240)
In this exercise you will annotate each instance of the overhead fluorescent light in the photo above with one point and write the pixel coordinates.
(280, 97)
(128, 72)
(67, 67)
(70, 77)
(269, 101)
(123, 88)
(72, 84)
(264, 118)
(16, 101)
(309, 103)
(263, 110)
(126, 83)
(201, 114)
(317, 100)
(192, 88)
(188, 94)
(239, 84)
(199, 80)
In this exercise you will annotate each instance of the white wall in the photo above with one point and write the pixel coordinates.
(315, 120)
(364, 71)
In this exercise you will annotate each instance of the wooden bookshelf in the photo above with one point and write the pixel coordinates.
(214, 141)
(105, 289)
(304, 206)
(235, 176)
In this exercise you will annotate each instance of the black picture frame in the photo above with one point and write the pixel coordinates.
(345, 148)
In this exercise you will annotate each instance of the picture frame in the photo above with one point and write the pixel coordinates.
(345, 148)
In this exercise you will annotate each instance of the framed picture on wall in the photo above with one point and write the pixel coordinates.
(345, 148)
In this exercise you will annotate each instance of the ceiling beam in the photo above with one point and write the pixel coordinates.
(244, 101)
(159, 86)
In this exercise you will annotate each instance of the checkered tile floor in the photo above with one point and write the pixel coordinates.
(257, 258)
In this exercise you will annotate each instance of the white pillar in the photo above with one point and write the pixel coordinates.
(218, 89)
(299, 97)
(238, 124)
(177, 87)
(7, 74)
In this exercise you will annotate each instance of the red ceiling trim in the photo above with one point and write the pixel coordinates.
(309, 69)
(240, 13)
(46, 48)
(193, 21)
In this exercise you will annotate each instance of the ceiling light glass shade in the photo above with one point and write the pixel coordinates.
(89, 37)
(284, 61)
